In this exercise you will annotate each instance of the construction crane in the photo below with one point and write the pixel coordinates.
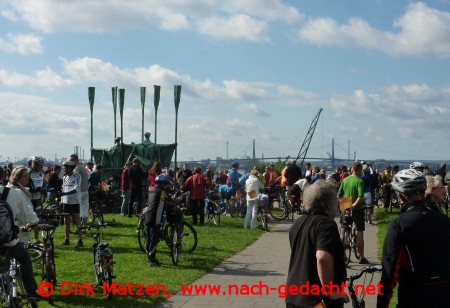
(305, 146)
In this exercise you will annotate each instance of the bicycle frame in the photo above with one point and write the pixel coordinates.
(103, 259)
(360, 302)
(10, 282)
(48, 261)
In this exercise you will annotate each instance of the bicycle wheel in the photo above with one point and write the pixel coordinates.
(232, 208)
(142, 235)
(188, 238)
(97, 213)
(346, 242)
(34, 252)
(277, 209)
(98, 267)
(175, 238)
(355, 244)
(3, 290)
(107, 279)
(214, 214)
(264, 220)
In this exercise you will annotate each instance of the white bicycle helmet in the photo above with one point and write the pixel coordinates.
(409, 182)
(37, 160)
(417, 166)
(70, 163)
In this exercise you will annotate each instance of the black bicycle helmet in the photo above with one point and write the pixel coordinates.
(409, 182)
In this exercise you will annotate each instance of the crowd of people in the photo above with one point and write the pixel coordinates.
(410, 253)
(416, 250)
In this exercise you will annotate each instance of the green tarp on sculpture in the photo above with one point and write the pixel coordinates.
(113, 159)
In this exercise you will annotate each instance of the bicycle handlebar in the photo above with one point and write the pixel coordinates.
(52, 215)
(370, 269)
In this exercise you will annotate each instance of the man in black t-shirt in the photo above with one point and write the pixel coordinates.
(316, 248)
(293, 173)
(183, 175)
(136, 177)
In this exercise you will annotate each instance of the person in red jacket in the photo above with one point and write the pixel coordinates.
(125, 183)
(196, 184)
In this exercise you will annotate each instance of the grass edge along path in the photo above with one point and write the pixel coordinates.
(75, 266)
(383, 220)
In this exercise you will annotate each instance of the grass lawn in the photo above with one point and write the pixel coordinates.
(215, 243)
(383, 220)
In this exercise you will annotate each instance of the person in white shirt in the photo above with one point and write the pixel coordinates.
(23, 216)
(252, 187)
(71, 196)
(84, 189)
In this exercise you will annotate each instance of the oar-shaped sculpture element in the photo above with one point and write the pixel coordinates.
(91, 96)
(177, 93)
(156, 103)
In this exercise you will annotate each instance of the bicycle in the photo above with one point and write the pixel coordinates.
(48, 265)
(176, 233)
(279, 207)
(262, 211)
(212, 208)
(189, 243)
(237, 205)
(359, 302)
(348, 236)
(103, 260)
(10, 284)
(96, 197)
(57, 208)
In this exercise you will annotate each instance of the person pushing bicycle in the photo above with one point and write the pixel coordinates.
(155, 207)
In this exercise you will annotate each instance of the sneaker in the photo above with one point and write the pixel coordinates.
(122, 214)
(66, 242)
(363, 261)
(37, 242)
(79, 244)
(155, 263)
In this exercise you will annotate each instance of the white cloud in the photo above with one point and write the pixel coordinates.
(96, 72)
(252, 109)
(30, 117)
(10, 15)
(47, 79)
(234, 27)
(232, 19)
(23, 44)
(404, 110)
(423, 31)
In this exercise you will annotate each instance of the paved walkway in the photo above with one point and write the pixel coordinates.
(264, 262)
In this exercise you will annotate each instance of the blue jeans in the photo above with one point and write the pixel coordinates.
(125, 201)
(153, 232)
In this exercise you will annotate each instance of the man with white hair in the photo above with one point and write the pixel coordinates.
(317, 253)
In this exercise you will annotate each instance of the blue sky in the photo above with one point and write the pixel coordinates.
(255, 69)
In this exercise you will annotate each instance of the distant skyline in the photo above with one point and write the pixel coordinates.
(258, 69)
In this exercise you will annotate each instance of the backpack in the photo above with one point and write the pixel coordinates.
(8, 230)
